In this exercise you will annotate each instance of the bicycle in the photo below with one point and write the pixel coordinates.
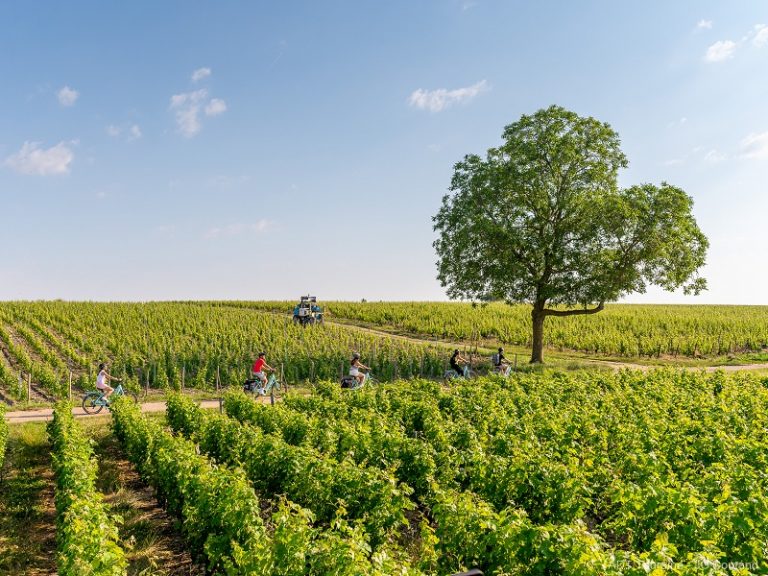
(451, 374)
(273, 383)
(95, 400)
(350, 382)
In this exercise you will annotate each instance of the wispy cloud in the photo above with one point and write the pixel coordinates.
(704, 24)
(200, 74)
(720, 51)
(215, 107)
(715, 157)
(188, 107)
(133, 132)
(760, 37)
(237, 229)
(442, 98)
(67, 96)
(755, 146)
(34, 160)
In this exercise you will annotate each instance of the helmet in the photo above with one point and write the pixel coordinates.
(456, 351)
(501, 349)
(262, 354)
(356, 355)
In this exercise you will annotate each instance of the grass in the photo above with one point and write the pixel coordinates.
(151, 539)
(27, 513)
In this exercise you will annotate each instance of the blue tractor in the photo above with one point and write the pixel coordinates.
(307, 312)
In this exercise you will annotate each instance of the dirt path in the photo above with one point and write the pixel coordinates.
(47, 413)
(616, 365)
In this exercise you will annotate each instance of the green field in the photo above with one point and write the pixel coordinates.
(627, 330)
(202, 344)
(580, 474)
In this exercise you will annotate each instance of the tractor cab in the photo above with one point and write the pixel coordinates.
(307, 311)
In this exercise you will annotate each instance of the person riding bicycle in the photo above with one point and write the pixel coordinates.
(103, 378)
(459, 364)
(261, 366)
(355, 367)
(500, 363)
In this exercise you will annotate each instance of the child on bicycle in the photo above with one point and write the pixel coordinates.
(103, 378)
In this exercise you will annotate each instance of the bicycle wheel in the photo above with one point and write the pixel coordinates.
(90, 405)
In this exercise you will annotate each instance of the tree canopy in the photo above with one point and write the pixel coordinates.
(541, 219)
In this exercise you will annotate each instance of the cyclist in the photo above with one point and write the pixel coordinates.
(355, 367)
(457, 360)
(259, 367)
(500, 363)
(103, 378)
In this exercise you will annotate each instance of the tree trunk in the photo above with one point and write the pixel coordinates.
(538, 315)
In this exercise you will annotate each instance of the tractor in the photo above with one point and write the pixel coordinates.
(307, 311)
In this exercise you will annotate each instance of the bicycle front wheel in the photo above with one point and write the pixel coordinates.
(91, 404)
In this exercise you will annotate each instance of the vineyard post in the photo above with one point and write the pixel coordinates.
(70, 385)
(218, 387)
(29, 387)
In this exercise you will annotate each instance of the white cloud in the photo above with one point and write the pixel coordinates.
(114, 131)
(714, 156)
(755, 146)
(187, 106)
(442, 98)
(237, 229)
(704, 24)
(135, 132)
(200, 74)
(720, 51)
(67, 96)
(215, 107)
(32, 159)
(760, 38)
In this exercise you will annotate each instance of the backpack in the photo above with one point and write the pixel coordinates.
(495, 359)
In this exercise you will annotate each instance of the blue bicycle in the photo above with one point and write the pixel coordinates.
(95, 400)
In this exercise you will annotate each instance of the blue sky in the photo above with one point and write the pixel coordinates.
(174, 150)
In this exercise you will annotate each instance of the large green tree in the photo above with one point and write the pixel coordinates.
(541, 220)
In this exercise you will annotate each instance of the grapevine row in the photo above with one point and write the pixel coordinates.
(86, 534)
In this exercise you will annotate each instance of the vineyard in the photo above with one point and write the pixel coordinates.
(46, 346)
(620, 330)
(175, 345)
(614, 474)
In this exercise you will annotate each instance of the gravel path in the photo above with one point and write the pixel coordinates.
(47, 413)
